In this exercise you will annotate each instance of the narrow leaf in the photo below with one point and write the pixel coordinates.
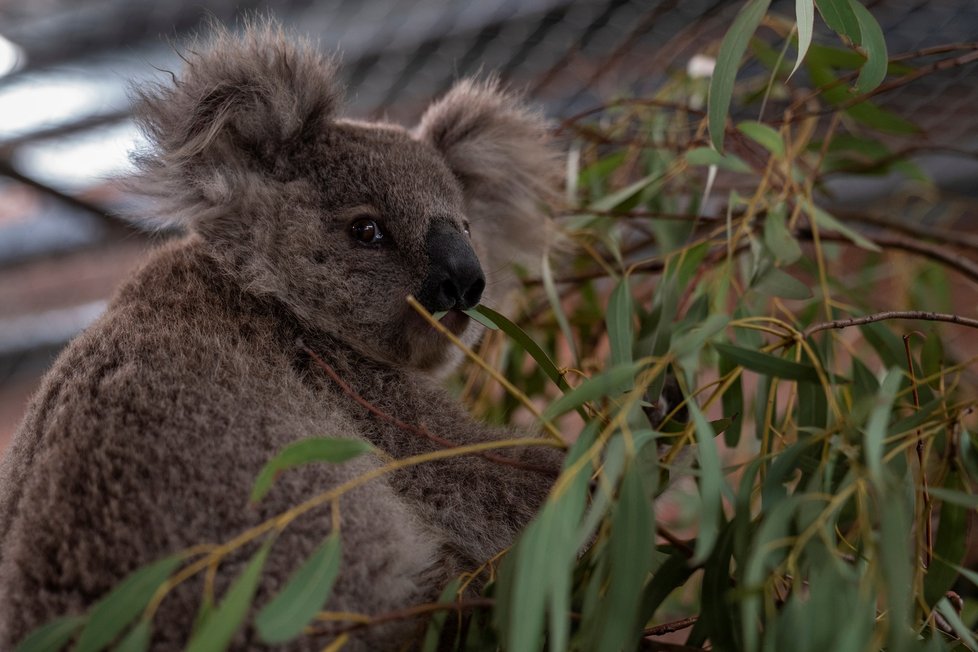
(946, 610)
(306, 451)
(709, 156)
(434, 631)
(482, 319)
(710, 482)
(767, 137)
(53, 636)
(839, 16)
(776, 283)
(303, 597)
(879, 418)
(137, 640)
(619, 321)
(778, 238)
(592, 389)
(111, 615)
(216, 633)
(528, 344)
(728, 62)
(767, 364)
(874, 70)
(613, 200)
(827, 221)
(805, 19)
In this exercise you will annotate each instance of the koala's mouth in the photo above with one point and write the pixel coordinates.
(455, 321)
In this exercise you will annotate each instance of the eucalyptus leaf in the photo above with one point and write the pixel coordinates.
(114, 612)
(304, 595)
(216, 632)
(307, 451)
(727, 63)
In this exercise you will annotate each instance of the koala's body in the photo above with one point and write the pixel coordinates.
(147, 435)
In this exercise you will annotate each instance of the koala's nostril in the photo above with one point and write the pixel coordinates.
(455, 280)
(472, 295)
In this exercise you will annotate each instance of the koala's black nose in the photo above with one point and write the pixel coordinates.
(455, 279)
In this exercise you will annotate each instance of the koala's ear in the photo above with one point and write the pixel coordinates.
(509, 168)
(243, 105)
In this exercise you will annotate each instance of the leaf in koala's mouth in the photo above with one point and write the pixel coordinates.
(482, 319)
(438, 315)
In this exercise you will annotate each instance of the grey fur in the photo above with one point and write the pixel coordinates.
(146, 436)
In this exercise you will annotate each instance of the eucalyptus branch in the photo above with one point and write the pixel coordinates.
(404, 614)
(420, 431)
(892, 314)
(964, 265)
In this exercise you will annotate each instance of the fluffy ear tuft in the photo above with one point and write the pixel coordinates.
(243, 105)
(509, 168)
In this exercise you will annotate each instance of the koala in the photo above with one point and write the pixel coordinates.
(304, 232)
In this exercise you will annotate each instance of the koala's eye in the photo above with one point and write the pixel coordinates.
(366, 231)
(465, 229)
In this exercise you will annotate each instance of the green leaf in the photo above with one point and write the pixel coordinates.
(776, 283)
(710, 482)
(306, 451)
(693, 339)
(594, 388)
(767, 364)
(874, 70)
(876, 429)
(612, 201)
(728, 62)
(840, 17)
(709, 156)
(528, 344)
(865, 112)
(619, 321)
(535, 576)
(630, 553)
(434, 632)
(550, 288)
(805, 19)
(482, 319)
(303, 597)
(766, 136)
(826, 221)
(957, 497)
(950, 546)
(778, 238)
(952, 617)
(216, 632)
(111, 615)
(138, 638)
(52, 636)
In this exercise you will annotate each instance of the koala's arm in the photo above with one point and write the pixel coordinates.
(479, 504)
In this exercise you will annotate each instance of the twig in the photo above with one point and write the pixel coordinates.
(420, 431)
(404, 614)
(957, 239)
(927, 508)
(675, 541)
(896, 241)
(668, 628)
(892, 314)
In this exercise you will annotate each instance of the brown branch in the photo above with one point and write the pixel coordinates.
(943, 64)
(404, 614)
(675, 541)
(944, 236)
(420, 431)
(668, 628)
(963, 265)
(927, 510)
(892, 314)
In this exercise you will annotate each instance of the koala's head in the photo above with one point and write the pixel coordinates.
(340, 220)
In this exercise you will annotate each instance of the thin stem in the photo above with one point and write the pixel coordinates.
(892, 314)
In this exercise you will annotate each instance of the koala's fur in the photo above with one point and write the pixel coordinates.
(146, 436)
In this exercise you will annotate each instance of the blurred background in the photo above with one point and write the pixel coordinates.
(65, 131)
